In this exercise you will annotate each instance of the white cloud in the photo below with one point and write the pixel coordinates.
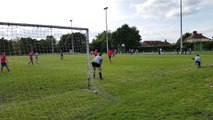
(152, 8)
(188, 10)
(169, 8)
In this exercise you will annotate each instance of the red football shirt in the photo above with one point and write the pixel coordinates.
(31, 54)
(3, 58)
(95, 53)
(110, 53)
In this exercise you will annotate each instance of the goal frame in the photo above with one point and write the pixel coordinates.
(60, 27)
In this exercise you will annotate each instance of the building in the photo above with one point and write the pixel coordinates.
(155, 43)
(198, 40)
(197, 37)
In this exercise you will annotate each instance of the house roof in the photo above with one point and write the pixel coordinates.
(195, 35)
(155, 43)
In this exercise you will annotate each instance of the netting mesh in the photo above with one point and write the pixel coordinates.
(51, 87)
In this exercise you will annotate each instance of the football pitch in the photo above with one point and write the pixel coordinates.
(134, 87)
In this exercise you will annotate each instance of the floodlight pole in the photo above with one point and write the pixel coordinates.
(181, 33)
(73, 50)
(52, 41)
(106, 28)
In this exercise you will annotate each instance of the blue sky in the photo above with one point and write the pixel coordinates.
(155, 19)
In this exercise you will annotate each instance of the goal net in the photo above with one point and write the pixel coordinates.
(47, 73)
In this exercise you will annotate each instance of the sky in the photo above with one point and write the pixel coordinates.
(155, 19)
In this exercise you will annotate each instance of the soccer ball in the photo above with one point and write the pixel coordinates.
(95, 92)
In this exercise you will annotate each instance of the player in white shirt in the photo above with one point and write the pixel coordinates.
(197, 60)
(96, 63)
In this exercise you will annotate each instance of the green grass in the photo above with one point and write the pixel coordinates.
(135, 87)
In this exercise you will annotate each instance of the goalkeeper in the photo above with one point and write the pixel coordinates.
(96, 63)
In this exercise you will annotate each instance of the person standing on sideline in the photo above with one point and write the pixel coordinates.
(110, 53)
(62, 55)
(36, 56)
(31, 57)
(97, 63)
(197, 61)
(4, 62)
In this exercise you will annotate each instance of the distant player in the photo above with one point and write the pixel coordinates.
(110, 53)
(4, 62)
(62, 55)
(36, 56)
(95, 53)
(31, 57)
(197, 61)
(97, 63)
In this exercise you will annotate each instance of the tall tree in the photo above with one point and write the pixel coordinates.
(79, 42)
(129, 36)
(100, 42)
(51, 43)
(6, 46)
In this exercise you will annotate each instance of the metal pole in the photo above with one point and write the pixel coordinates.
(88, 60)
(72, 38)
(52, 42)
(181, 39)
(106, 28)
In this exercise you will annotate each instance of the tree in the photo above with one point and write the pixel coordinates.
(79, 42)
(100, 42)
(129, 36)
(186, 35)
(65, 42)
(51, 43)
(6, 46)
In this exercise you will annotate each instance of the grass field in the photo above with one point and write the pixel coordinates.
(135, 87)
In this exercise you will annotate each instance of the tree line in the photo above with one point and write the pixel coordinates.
(124, 37)
(22, 46)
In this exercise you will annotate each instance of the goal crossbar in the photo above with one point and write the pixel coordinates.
(39, 25)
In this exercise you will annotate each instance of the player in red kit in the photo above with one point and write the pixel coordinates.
(31, 57)
(95, 53)
(110, 53)
(4, 62)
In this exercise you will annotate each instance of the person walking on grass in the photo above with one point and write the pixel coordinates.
(36, 56)
(31, 57)
(96, 64)
(4, 62)
(110, 53)
(197, 61)
(62, 54)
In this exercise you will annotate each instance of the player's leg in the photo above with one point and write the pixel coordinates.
(94, 70)
(29, 61)
(2, 66)
(110, 59)
(7, 67)
(100, 72)
(32, 61)
(199, 64)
